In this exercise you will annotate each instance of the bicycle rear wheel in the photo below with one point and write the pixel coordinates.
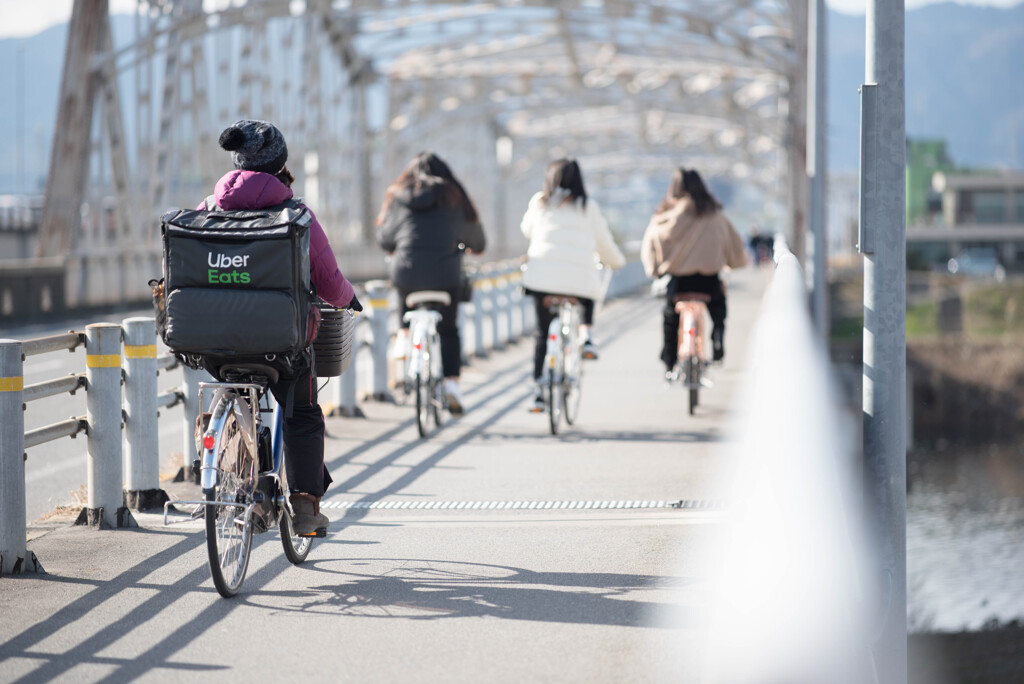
(229, 524)
(693, 381)
(555, 403)
(572, 381)
(422, 404)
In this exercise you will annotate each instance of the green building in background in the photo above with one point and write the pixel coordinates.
(924, 158)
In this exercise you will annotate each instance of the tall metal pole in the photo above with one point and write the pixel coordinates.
(883, 242)
(817, 167)
(796, 135)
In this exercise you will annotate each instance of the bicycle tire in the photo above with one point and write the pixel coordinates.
(554, 405)
(296, 548)
(437, 385)
(572, 381)
(437, 403)
(693, 381)
(228, 540)
(422, 404)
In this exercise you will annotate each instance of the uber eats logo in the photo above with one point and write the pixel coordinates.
(218, 274)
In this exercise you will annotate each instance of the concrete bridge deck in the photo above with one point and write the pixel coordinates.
(595, 582)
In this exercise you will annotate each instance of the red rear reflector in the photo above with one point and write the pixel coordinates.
(208, 442)
(417, 346)
(552, 337)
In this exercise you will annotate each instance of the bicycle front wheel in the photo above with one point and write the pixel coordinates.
(229, 523)
(296, 548)
(437, 400)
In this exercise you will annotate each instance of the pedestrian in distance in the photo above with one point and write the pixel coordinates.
(690, 239)
(425, 224)
(568, 235)
(259, 180)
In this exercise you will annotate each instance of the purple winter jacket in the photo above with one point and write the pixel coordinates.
(255, 190)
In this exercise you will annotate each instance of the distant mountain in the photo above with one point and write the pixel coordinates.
(964, 73)
(964, 83)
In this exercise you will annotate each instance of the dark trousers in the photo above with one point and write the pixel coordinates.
(447, 330)
(709, 285)
(544, 318)
(303, 434)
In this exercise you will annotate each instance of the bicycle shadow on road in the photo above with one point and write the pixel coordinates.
(420, 589)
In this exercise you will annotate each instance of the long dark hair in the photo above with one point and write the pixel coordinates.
(564, 175)
(428, 170)
(688, 183)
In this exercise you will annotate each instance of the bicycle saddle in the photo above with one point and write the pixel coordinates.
(414, 299)
(236, 372)
(691, 297)
(556, 300)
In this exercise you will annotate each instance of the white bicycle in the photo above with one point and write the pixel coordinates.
(424, 375)
(562, 373)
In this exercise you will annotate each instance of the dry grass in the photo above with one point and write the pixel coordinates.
(79, 498)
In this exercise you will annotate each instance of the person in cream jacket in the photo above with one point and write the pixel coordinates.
(691, 240)
(566, 231)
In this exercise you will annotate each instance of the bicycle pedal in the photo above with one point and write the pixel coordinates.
(318, 532)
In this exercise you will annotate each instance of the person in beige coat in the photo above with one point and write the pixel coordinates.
(691, 240)
(566, 231)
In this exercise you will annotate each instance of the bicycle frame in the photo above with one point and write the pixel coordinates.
(561, 333)
(224, 393)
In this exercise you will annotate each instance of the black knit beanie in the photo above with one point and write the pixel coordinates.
(255, 146)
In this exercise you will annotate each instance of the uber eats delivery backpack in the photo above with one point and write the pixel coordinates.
(237, 284)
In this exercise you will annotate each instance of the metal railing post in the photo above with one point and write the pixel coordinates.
(377, 294)
(142, 446)
(479, 350)
(345, 386)
(518, 303)
(526, 312)
(105, 507)
(506, 298)
(191, 408)
(460, 319)
(494, 309)
(14, 557)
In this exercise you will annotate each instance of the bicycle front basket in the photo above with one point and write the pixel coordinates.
(333, 347)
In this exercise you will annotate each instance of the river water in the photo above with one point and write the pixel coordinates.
(965, 538)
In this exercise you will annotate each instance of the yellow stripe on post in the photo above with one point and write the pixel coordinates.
(379, 303)
(140, 351)
(12, 384)
(103, 361)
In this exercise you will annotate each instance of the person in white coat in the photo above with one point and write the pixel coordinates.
(566, 231)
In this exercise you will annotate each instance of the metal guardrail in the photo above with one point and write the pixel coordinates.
(126, 356)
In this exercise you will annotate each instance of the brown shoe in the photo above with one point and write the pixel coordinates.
(307, 518)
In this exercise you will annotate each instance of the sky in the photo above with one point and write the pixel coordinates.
(20, 18)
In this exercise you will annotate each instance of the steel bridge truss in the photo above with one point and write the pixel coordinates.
(632, 88)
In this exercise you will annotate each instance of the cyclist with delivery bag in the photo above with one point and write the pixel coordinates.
(241, 276)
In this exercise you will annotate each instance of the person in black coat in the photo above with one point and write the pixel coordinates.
(426, 222)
